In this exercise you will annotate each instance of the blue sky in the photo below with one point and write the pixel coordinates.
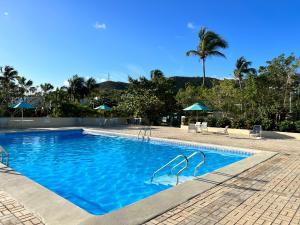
(51, 40)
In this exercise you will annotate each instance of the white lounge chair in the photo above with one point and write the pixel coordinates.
(204, 127)
(191, 127)
(256, 131)
(198, 127)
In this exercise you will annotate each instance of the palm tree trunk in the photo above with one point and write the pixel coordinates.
(203, 68)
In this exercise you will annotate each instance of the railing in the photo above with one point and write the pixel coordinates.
(167, 164)
(146, 130)
(189, 157)
(4, 154)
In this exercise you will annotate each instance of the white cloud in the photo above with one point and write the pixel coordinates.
(190, 25)
(5, 13)
(102, 80)
(100, 26)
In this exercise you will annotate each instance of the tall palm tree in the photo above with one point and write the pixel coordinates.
(242, 68)
(209, 44)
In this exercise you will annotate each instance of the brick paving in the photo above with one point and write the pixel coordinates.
(268, 193)
(13, 213)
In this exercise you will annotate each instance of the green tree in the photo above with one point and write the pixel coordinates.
(156, 74)
(77, 88)
(7, 80)
(209, 45)
(242, 68)
(24, 86)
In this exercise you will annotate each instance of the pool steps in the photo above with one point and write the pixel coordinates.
(4, 155)
(186, 161)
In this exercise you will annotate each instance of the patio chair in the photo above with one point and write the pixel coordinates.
(256, 131)
(198, 126)
(191, 127)
(223, 132)
(204, 127)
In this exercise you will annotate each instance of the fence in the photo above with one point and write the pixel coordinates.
(41, 122)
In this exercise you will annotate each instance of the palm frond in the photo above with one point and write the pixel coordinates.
(216, 53)
(193, 52)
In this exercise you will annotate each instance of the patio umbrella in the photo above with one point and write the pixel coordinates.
(197, 107)
(103, 107)
(22, 105)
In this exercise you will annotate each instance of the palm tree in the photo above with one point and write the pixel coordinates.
(242, 69)
(46, 88)
(209, 44)
(90, 84)
(156, 74)
(7, 81)
(77, 88)
(24, 86)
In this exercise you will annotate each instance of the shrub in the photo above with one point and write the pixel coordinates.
(297, 126)
(223, 122)
(266, 123)
(211, 121)
(286, 126)
(238, 123)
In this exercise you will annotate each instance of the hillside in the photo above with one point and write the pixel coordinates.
(112, 85)
(180, 82)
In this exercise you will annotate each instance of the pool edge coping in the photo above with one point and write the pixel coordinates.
(136, 213)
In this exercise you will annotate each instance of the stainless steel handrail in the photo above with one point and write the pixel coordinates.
(145, 129)
(200, 164)
(190, 156)
(167, 164)
(3, 151)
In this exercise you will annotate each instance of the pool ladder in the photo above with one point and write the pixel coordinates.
(4, 155)
(185, 161)
(145, 132)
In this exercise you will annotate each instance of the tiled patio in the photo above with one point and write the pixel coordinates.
(11, 212)
(268, 193)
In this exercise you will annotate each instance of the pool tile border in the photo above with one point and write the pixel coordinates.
(56, 210)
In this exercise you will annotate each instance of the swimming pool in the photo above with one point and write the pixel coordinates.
(101, 173)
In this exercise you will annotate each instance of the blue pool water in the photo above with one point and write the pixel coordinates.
(100, 173)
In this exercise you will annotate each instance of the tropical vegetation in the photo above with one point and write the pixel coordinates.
(268, 95)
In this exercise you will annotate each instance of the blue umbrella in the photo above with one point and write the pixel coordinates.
(103, 107)
(197, 107)
(22, 105)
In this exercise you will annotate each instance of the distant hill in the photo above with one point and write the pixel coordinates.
(180, 82)
(112, 85)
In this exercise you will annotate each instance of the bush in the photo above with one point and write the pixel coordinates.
(266, 123)
(223, 122)
(76, 110)
(297, 126)
(239, 123)
(211, 121)
(286, 126)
